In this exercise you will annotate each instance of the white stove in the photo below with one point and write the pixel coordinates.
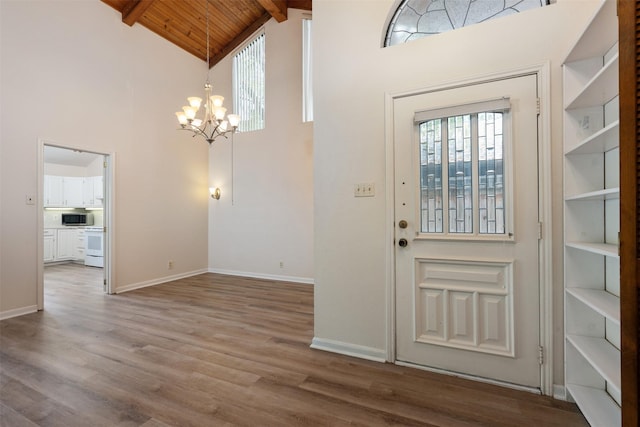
(94, 246)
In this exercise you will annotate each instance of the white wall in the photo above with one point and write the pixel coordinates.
(271, 217)
(352, 75)
(74, 74)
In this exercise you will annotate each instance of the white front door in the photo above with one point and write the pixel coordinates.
(466, 230)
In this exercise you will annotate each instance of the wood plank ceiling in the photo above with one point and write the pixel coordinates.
(183, 22)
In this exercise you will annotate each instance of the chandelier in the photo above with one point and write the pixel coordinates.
(214, 123)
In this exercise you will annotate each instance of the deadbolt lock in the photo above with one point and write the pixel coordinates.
(402, 224)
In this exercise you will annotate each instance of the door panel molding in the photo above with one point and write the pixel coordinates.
(466, 305)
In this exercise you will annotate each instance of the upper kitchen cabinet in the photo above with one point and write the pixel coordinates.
(73, 192)
(53, 194)
(93, 191)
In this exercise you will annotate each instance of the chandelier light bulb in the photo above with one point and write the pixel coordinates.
(220, 112)
(196, 122)
(195, 102)
(234, 120)
(217, 100)
(189, 112)
(182, 119)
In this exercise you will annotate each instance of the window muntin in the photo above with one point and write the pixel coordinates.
(415, 19)
(249, 84)
(470, 198)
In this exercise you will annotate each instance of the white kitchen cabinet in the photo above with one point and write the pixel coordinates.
(591, 220)
(80, 244)
(73, 188)
(53, 192)
(73, 192)
(49, 245)
(66, 244)
(93, 192)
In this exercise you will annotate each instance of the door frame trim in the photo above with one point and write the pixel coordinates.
(109, 199)
(542, 73)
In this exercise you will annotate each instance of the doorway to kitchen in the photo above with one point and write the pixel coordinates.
(75, 201)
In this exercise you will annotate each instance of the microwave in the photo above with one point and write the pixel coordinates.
(77, 219)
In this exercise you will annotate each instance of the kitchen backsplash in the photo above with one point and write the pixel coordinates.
(52, 218)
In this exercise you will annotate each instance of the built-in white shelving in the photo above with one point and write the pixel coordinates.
(604, 411)
(591, 220)
(603, 302)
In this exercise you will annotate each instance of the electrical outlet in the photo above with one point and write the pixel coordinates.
(170, 265)
(281, 264)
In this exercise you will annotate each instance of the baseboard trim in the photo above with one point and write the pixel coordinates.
(146, 283)
(15, 312)
(348, 349)
(559, 392)
(532, 390)
(294, 279)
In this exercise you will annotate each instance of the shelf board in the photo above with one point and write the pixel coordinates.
(606, 194)
(602, 355)
(600, 89)
(606, 249)
(604, 140)
(598, 37)
(596, 405)
(600, 301)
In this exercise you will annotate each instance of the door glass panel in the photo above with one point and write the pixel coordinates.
(470, 198)
(460, 193)
(431, 176)
(491, 177)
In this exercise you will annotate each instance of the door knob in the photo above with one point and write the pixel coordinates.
(402, 243)
(403, 224)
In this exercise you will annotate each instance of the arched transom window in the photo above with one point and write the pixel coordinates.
(420, 18)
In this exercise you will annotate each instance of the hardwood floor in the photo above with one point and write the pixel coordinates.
(219, 350)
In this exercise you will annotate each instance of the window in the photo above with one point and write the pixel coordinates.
(415, 19)
(249, 84)
(307, 78)
(462, 170)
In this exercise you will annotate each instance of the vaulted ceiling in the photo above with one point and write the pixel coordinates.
(184, 22)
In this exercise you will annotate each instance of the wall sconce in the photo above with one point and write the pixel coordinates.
(215, 193)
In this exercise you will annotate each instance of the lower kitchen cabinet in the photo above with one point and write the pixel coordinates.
(49, 245)
(63, 244)
(80, 243)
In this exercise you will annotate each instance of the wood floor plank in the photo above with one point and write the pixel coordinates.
(215, 350)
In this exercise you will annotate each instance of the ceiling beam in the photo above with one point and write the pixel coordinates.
(300, 4)
(276, 8)
(242, 37)
(134, 10)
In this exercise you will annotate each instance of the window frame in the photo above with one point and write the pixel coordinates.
(496, 105)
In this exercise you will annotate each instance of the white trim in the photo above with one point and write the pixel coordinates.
(494, 105)
(295, 279)
(545, 215)
(353, 350)
(559, 392)
(15, 312)
(158, 281)
(542, 71)
(109, 217)
(532, 390)
(390, 263)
